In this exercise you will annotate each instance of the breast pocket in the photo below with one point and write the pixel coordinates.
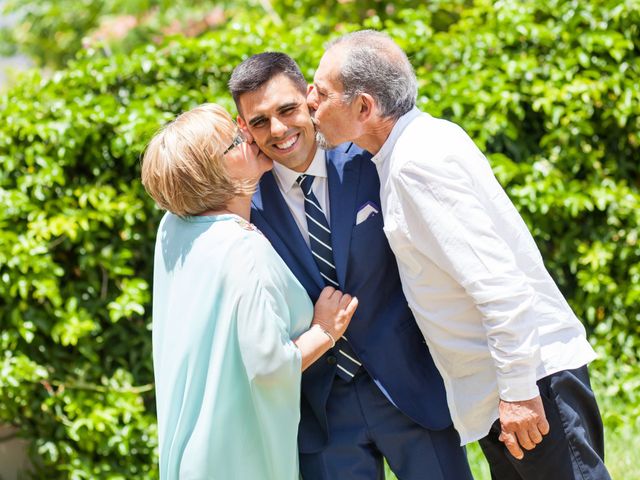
(369, 245)
(372, 224)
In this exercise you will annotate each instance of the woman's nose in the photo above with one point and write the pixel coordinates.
(312, 98)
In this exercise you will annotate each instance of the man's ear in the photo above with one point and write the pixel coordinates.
(366, 107)
(242, 125)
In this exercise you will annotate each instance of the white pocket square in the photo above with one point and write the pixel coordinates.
(365, 211)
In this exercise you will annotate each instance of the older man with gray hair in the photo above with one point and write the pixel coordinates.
(512, 353)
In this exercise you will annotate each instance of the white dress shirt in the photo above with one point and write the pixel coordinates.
(292, 193)
(491, 314)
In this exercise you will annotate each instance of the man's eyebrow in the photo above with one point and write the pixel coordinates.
(280, 109)
(256, 119)
(287, 105)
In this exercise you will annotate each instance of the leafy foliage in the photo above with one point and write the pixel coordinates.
(549, 90)
(52, 32)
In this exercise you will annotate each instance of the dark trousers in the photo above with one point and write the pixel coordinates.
(574, 446)
(364, 427)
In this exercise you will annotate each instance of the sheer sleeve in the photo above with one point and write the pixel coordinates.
(265, 317)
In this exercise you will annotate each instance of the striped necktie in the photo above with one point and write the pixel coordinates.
(320, 244)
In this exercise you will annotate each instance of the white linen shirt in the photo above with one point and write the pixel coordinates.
(492, 316)
(292, 193)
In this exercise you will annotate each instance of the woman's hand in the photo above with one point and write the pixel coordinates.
(333, 311)
(331, 316)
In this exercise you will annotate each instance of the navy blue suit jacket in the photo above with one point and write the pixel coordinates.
(383, 331)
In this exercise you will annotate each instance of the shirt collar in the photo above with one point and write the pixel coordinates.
(396, 131)
(286, 177)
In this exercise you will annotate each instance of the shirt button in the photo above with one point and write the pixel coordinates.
(332, 360)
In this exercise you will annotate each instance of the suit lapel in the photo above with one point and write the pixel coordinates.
(343, 177)
(272, 206)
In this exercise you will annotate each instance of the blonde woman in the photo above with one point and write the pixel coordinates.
(232, 327)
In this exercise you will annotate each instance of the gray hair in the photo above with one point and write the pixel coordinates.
(376, 65)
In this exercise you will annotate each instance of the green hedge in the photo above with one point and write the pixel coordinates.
(549, 90)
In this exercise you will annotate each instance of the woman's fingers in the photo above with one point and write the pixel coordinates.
(351, 307)
(327, 292)
(344, 301)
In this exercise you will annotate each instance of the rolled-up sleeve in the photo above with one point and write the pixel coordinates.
(446, 221)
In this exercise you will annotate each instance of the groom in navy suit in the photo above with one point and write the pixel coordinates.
(377, 393)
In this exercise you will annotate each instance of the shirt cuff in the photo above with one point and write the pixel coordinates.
(516, 389)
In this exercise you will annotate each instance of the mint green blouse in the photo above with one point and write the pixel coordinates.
(225, 308)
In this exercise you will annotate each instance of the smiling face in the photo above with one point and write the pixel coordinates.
(277, 116)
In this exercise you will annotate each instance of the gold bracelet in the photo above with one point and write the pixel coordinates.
(333, 342)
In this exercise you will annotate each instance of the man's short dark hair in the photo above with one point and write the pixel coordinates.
(258, 69)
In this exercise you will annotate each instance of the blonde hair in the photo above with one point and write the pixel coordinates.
(183, 168)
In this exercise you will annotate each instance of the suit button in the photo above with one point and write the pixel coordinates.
(332, 360)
